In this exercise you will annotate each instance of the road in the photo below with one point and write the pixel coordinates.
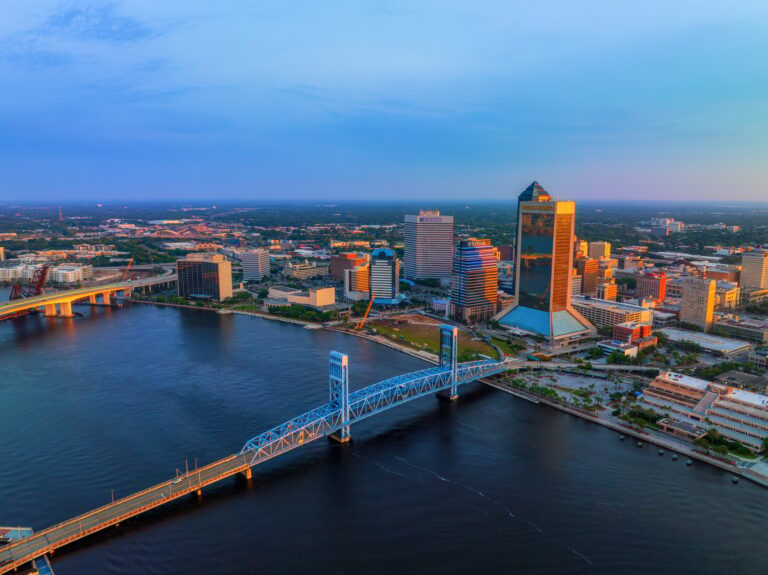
(42, 542)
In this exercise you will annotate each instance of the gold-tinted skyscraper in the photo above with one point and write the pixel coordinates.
(543, 265)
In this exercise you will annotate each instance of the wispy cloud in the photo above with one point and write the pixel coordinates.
(97, 22)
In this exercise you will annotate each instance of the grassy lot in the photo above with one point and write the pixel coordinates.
(508, 349)
(426, 337)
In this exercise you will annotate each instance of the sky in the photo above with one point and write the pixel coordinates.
(376, 100)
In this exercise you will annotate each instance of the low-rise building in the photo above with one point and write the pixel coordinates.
(601, 312)
(724, 346)
(759, 358)
(736, 414)
(748, 329)
(317, 298)
(610, 346)
(305, 270)
(70, 273)
(727, 295)
(607, 291)
(743, 380)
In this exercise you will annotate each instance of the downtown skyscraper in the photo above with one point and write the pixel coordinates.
(474, 288)
(429, 246)
(543, 264)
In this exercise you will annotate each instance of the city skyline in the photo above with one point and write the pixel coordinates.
(178, 102)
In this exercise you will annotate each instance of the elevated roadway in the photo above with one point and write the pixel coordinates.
(326, 420)
(64, 299)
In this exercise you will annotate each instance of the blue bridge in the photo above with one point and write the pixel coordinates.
(332, 419)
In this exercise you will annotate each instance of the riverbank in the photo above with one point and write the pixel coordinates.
(649, 436)
(602, 418)
(235, 311)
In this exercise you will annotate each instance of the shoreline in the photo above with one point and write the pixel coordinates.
(669, 443)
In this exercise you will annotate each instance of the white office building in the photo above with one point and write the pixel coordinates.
(429, 246)
(255, 264)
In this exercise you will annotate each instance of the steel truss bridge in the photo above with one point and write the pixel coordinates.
(332, 419)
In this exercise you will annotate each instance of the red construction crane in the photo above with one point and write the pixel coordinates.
(35, 286)
(125, 274)
(361, 323)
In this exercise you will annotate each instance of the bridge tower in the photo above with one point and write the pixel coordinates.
(338, 375)
(449, 343)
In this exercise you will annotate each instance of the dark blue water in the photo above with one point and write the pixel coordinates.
(119, 399)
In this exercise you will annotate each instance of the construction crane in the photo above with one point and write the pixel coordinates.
(361, 323)
(125, 274)
(35, 287)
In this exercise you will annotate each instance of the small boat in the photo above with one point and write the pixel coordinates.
(639, 443)
(621, 438)
(689, 462)
(735, 479)
(661, 452)
(674, 457)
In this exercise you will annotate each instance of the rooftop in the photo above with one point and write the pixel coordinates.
(705, 340)
(686, 380)
(756, 399)
(606, 304)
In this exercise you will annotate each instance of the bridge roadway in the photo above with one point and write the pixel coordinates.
(319, 422)
(68, 297)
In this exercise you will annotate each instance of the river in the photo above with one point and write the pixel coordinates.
(120, 398)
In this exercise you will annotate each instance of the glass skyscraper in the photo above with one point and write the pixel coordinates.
(475, 281)
(543, 264)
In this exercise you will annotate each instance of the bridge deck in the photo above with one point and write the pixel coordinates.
(15, 306)
(42, 542)
(305, 428)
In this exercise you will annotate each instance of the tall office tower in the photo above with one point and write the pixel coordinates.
(255, 264)
(429, 246)
(599, 250)
(345, 261)
(652, 285)
(698, 305)
(543, 269)
(754, 270)
(588, 269)
(475, 282)
(580, 248)
(385, 277)
(205, 275)
(357, 282)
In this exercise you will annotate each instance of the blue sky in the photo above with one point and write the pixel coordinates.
(383, 99)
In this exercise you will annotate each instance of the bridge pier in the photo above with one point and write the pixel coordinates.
(50, 310)
(65, 309)
(92, 299)
(449, 343)
(338, 375)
